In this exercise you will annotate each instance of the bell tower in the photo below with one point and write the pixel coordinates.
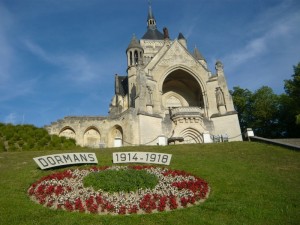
(134, 53)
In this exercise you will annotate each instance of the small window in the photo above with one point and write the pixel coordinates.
(136, 57)
(130, 58)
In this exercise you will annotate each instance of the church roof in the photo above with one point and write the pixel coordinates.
(134, 43)
(153, 35)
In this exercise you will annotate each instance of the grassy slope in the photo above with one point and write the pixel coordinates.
(252, 183)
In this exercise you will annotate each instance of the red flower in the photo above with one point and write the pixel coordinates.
(68, 206)
(122, 210)
(47, 192)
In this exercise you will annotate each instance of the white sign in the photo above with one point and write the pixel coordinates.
(142, 157)
(49, 161)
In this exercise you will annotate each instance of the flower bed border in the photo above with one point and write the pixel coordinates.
(64, 190)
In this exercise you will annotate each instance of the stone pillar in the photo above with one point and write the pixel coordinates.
(206, 137)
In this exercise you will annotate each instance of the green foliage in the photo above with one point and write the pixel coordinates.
(292, 86)
(242, 104)
(291, 104)
(298, 119)
(258, 110)
(120, 180)
(2, 146)
(29, 137)
(265, 105)
(268, 114)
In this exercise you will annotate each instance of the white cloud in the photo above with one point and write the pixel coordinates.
(15, 88)
(252, 49)
(80, 68)
(11, 85)
(273, 36)
(11, 118)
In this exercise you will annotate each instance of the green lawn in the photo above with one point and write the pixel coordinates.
(251, 183)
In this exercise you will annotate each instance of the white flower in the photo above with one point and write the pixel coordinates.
(73, 188)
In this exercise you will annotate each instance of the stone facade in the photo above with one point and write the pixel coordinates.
(168, 94)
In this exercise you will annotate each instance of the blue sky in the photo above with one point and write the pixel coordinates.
(59, 57)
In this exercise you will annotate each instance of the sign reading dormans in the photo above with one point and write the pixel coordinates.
(49, 161)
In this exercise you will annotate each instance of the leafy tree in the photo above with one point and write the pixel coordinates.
(258, 110)
(298, 119)
(265, 113)
(268, 114)
(241, 100)
(290, 109)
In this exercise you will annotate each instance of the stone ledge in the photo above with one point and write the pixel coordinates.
(279, 142)
(226, 114)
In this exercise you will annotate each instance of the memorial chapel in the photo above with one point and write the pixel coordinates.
(169, 96)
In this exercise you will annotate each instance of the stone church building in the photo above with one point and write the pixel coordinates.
(168, 96)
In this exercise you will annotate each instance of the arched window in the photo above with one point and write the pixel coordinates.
(130, 58)
(136, 57)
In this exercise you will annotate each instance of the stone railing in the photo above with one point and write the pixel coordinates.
(187, 115)
(186, 111)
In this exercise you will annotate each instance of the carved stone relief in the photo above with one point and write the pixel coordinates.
(176, 55)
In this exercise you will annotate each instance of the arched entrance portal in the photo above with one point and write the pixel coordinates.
(181, 89)
(191, 136)
(91, 138)
(116, 136)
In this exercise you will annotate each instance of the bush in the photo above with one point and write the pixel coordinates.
(2, 146)
(29, 137)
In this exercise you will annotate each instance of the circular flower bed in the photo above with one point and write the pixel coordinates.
(65, 190)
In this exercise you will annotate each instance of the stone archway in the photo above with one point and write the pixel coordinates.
(67, 132)
(191, 136)
(180, 88)
(116, 136)
(91, 138)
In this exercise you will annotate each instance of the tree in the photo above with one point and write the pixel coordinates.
(241, 100)
(268, 114)
(290, 105)
(265, 113)
(258, 110)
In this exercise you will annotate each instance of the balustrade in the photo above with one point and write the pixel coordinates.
(186, 111)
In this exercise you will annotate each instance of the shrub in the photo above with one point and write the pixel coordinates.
(2, 146)
(29, 137)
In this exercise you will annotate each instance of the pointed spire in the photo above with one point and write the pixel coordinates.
(180, 36)
(151, 20)
(134, 43)
(150, 14)
(197, 54)
(152, 32)
(182, 40)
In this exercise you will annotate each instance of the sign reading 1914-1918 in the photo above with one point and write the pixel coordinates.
(142, 157)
